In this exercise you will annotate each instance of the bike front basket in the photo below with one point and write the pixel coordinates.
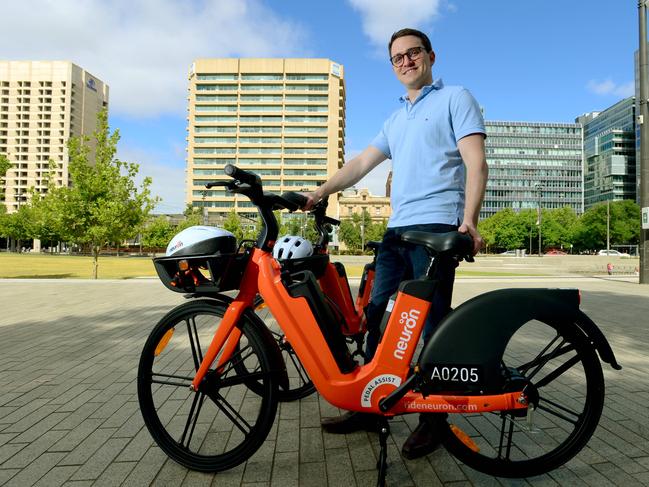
(202, 273)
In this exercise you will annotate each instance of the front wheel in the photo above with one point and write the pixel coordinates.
(564, 372)
(299, 382)
(224, 423)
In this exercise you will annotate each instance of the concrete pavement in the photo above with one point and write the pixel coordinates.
(69, 414)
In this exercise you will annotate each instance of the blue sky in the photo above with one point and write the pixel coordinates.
(548, 60)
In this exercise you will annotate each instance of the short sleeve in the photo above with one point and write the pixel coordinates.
(466, 116)
(381, 141)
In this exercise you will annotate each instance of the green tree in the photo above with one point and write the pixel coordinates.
(193, 216)
(5, 165)
(488, 232)
(103, 204)
(624, 225)
(301, 224)
(17, 225)
(358, 229)
(504, 230)
(233, 224)
(349, 233)
(46, 220)
(527, 220)
(625, 217)
(157, 233)
(558, 227)
(375, 231)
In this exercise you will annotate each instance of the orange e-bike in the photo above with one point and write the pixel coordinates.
(517, 370)
(332, 279)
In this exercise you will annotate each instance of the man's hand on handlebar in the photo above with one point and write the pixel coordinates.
(313, 198)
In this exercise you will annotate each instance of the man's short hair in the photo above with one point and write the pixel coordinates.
(410, 32)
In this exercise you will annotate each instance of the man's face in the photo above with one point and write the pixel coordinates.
(413, 73)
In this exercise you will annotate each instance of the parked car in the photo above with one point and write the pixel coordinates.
(612, 253)
(508, 252)
(556, 252)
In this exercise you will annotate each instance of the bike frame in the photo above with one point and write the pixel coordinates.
(362, 388)
(336, 287)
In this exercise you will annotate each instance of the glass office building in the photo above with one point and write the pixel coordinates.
(532, 163)
(609, 153)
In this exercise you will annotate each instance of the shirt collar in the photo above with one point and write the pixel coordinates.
(438, 84)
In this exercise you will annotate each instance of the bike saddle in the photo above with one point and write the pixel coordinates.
(451, 243)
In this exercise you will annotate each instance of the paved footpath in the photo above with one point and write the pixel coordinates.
(69, 414)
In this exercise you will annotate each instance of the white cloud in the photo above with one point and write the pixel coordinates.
(381, 18)
(143, 49)
(608, 87)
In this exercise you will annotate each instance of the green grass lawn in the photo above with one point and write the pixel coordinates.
(69, 266)
(42, 266)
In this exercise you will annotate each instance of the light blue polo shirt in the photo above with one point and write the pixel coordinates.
(428, 173)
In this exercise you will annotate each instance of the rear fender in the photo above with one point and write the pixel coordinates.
(476, 333)
(598, 340)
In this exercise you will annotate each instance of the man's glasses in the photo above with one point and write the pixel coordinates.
(413, 54)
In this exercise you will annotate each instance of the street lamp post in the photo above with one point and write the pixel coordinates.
(643, 120)
(363, 231)
(608, 226)
(204, 208)
(539, 189)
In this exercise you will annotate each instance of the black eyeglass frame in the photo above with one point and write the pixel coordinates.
(413, 53)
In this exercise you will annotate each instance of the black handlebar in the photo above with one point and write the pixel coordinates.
(322, 222)
(241, 175)
(218, 183)
(296, 198)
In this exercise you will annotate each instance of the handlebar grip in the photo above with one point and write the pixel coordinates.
(296, 198)
(217, 183)
(241, 175)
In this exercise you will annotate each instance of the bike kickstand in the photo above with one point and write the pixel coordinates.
(382, 463)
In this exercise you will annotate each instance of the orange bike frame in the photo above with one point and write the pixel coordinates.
(336, 287)
(363, 299)
(365, 386)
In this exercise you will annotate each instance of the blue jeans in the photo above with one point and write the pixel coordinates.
(398, 261)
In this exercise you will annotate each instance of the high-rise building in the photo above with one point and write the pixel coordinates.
(609, 153)
(43, 104)
(533, 164)
(284, 119)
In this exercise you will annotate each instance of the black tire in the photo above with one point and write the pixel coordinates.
(299, 382)
(222, 425)
(570, 388)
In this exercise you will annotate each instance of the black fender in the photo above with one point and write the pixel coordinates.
(270, 344)
(476, 333)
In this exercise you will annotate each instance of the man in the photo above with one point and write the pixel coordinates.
(439, 174)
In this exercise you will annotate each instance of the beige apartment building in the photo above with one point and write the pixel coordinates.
(284, 119)
(354, 201)
(43, 104)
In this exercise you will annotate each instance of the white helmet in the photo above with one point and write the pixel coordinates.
(292, 247)
(202, 240)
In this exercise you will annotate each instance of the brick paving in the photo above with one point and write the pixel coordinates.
(69, 414)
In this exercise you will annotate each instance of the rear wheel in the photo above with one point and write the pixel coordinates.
(222, 424)
(561, 367)
(299, 382)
